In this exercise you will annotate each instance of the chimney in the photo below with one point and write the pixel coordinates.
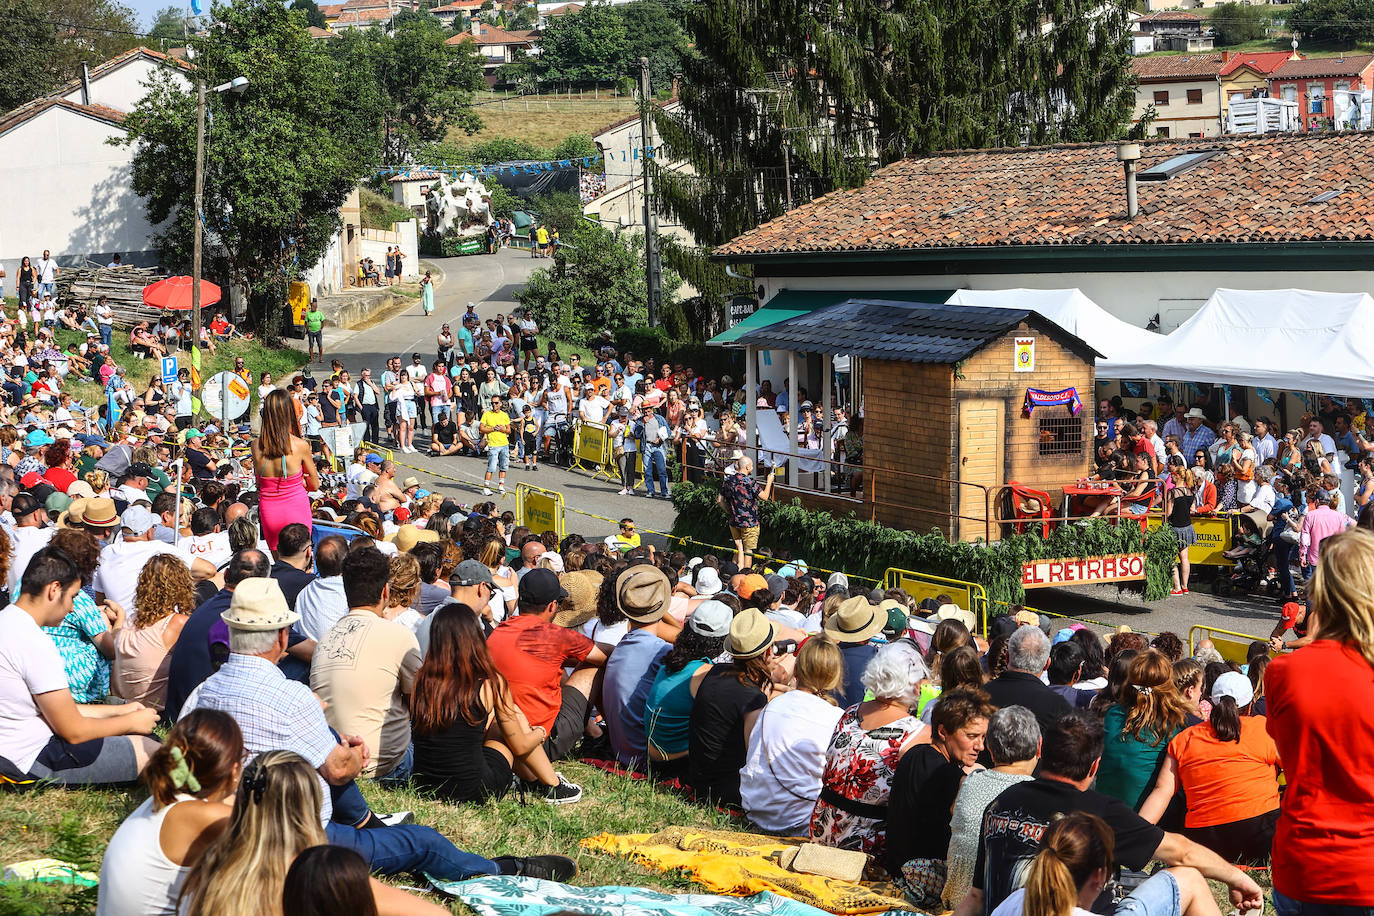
(1225, 57)
(85, 84)
(476, 25)
(1128, 154)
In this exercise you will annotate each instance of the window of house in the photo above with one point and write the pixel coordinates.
(1162, 132)
(1061, 433)
(1290, 93)
(1195, 133)
(1343, 86)
(1316, 99)
(1162, 97)
(1194, 96)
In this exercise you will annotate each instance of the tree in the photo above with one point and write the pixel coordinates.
(280, 158)
(654, 34)
(596, 281)
(430, 84)
(589, 46)
(1237, 22)
(313, 15)
(826, 90)
(1341, 22)
(46, 41)
(169, 25)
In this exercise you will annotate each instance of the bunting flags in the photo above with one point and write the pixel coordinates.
(1132, 389)
(1265, 395)
(1165, 389)
(524, 168)
(1302, 398)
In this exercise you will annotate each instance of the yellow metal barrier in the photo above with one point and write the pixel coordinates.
(1213, 537)
(1232, 650)
(968, 595)
(592, 449)
(538, 509)
(385, 453)
(1002, 607)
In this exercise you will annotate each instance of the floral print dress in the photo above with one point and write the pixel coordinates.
(859, 766)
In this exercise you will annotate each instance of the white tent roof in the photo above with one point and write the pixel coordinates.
(1293, 339)
(1075, 313)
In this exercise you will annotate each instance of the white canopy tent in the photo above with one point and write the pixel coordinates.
(1289, 339)
(1075, 313)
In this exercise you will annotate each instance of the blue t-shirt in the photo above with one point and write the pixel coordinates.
(856, 659)
(191, 663)
(668, 710)
(629, 675)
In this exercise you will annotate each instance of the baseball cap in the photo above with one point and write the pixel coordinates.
(25, 504)
(1290, 613)
(140, 469)
(373, 458)
(137, 520)
(711, 618)
(641, 593)
(30, 480)
(194, 434)
(752, 583)
(38, 438)
(57, 503)
(473, 572)
(776, 584)
(1235, 685)
(541, 587)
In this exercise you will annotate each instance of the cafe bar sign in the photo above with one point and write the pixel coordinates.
(1062, 571)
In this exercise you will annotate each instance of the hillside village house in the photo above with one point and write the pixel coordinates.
(621, 204)
(456, 13)
(1244, 213)
(75, 187)
(496, 45)
(1314, 84)
(1247, 74)
(1184, 91)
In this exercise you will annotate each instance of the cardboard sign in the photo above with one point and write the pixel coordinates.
(1083, 570)
(1023, 357)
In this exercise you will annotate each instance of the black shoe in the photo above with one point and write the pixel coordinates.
(550, 868)
(565, 793)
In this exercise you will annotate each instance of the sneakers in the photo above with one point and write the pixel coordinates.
(550, 868)
(395, 818)
(502, 489)
(565, 793)
(486, 491)
(624, 492)
(1177, 592)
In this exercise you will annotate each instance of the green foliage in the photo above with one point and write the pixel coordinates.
(279, 160)
(170, 24)
(596, 281)
(39, 56)
(1341, 22)
(656, 34)
(867, 549)
(559, 209)
(503, 202)
(380, 212)
(590, 46)
(661, 344)
(429, 83)
(1238, 22)
(313, 14)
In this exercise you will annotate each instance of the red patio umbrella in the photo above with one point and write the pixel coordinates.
(175, 293)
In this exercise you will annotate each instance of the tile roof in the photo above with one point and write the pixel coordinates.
(332, 9)
(1176, 67)
(33, 109)
(356, 16)
(882, 329)
(1349, 65)
(317, 32)
(1255, 191)
(1170, 16)
(416, 176)
(491, 35)
(460, 6)
(1261, 62)
(564, 10)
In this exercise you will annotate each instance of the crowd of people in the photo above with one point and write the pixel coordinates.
(1289, 490)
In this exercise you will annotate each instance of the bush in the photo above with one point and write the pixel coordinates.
(712, 362)
(1236, 23)
(868, 549)
(380, 212)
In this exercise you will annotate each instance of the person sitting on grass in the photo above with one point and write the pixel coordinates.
(191, 781)
(668, 707)
(469, 734)
(44, 734)
(274, 818)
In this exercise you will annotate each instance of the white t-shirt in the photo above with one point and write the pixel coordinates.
(120, 564)
(29, 665)
(213, 548)
(608, 637)
(594, 408)
(137, 878)
(104, 314)
(47, 270)
(24, 543)
(1015, 905)
(781, 776)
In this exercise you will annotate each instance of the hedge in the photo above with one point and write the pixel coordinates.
(711, 362)
(868, 549)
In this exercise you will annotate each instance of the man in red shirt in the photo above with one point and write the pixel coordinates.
(531, 651)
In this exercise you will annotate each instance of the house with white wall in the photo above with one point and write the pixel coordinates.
(75, 188)
(1185, 91)
(621, 204)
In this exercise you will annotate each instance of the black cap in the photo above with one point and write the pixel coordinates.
(541, 587)
(140, 469)
(27, 504)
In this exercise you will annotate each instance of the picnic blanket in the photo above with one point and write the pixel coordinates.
(511, 896)
(740, 864)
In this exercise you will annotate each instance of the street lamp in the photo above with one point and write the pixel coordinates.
(236, 85)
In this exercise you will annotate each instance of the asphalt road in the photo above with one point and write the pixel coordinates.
(593, 505)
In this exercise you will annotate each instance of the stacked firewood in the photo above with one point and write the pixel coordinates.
(123, 286)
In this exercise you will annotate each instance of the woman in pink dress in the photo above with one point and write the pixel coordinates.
(284, 468)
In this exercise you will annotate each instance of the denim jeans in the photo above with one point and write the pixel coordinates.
(1283, 553)
(411, 849)
(401, 772)
(349, 805)
(655, 468)
(1158, 896)
(106, 331)
(1287, 906)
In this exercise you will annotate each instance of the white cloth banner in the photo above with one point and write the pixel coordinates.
(773, 439)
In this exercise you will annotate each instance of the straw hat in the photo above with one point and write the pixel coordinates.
(954, 612)
(751, 634)
(642, 593)
(75, 516)
(258, 605)
(855, 621)
(580, 606)
(100, 513)
(407, 536)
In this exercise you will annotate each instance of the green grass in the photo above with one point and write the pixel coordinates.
(379, 212)
(548, 120)
(75, 825)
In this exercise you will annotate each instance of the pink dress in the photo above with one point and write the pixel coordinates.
(281, 501)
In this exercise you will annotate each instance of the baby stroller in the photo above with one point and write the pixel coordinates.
(561, 447)
(1250, 552)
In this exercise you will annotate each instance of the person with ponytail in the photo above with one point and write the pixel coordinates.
(1147, 715)
(276, 817)
(1073, 866)
(1318, 701)
(191, 781)
(1227, 768)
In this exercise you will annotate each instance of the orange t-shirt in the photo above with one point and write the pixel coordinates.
(602, 386)
(1226, 782)
(532, 653)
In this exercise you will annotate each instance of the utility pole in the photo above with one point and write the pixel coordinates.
(652, 276)
(200, 193)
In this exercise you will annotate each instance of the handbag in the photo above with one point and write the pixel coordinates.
(1292, 528)
(826, 861)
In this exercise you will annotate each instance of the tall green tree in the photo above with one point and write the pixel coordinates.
(280, 158)
(169, 24)
(589, 46)
(46, 41)
(1340, 22)
(1237, 22)
(430, 84)
(825, 90)
(313, 14)
(654, 33)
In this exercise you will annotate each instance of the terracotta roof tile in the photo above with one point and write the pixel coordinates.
(491, 35)
(1171, 16)
(1176, 66)
(1256, 190)
(35, 108)
(1261, 62)
(1349, 65)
